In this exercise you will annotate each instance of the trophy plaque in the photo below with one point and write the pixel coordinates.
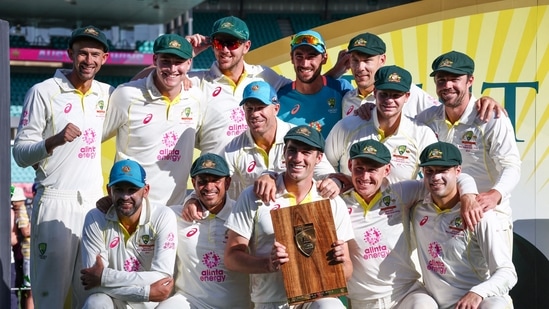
(308, 231)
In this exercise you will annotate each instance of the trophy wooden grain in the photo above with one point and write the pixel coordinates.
(308, 231)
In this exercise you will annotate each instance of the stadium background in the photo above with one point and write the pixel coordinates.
(508, 40)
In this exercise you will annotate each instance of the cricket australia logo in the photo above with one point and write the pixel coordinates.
(42, 247)
(305, 238)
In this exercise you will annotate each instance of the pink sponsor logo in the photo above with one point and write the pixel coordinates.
(211, 259)
(114, 242)
(372, 235)
(68, 108)
(350, 110)
(147, 119)
(192, 232)
(295, 109)
(251, 167)
(216, 92)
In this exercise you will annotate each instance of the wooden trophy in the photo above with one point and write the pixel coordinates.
(308, 231)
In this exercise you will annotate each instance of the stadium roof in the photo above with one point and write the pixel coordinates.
(101, 13)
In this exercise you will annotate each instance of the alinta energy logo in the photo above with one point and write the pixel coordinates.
(131, 264)
(373, 236)
(168, 153)
(212, 273)
(435, 264)
(237, 126)
(88, 152)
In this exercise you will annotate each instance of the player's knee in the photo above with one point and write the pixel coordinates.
(98, 301)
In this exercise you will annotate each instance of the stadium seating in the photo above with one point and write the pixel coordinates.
(18, 41)
(21, 175)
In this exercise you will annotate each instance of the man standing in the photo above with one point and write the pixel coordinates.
(461, 268)
(59, 135)
(384, 275)
(155, 120)
(18, 204)
(367, 52)
(260, 150)
(402, 135)
(128, 253)
(251, 246)
(224, 83)
(489, 149)
(261, 147)
(202, 280)
(312, 99)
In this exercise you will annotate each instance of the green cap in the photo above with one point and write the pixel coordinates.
(89, 32)
(440, 154)
(307, 135)
(210, 163)
(367, 43)
(370, 149)
(454, 62)
(232, 26)
(173, 44)
(392, 77)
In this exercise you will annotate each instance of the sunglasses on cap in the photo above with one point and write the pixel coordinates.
(307, 39)
(230, 44)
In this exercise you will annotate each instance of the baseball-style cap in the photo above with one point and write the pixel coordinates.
(370, 149)
(310, 38)
(129, 171)
(18, 195)
(440, 154)
(367, 43)
(173, 44)
(392, 77)
(89, 32)
(210, 163)
(453, 62)
(307, 135)
(232, 26)
(261, 91)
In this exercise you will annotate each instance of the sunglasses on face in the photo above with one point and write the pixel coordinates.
(308, 39)
(230, 44)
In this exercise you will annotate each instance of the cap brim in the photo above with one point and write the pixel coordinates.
(210, 171)
(127, 179)
(440, 163)
(86, 36)
(371, 158)
(367, 51)
(449, 70)
(304, 140)
(255, 99)
(174, 52)
(394, 87)
(228, 32)
(320, 49)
